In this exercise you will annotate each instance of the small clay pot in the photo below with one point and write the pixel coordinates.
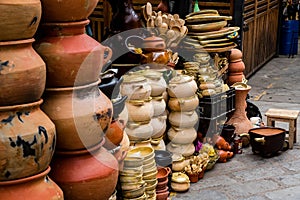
(139, 110)
(114, 134)
(154, 43)
(183, 104)
(182, 86)
(180, 182)
(162, 174)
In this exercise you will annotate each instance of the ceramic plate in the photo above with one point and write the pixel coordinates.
(221, 44)
(200, 18)
(206, 42)
(207, 11)
(214, 26)
(220, 49)
(214, 34)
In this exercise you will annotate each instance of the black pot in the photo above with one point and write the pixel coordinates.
(118, 106)
(163, 158)
(228, 132)
(110, 84)
(267, 141)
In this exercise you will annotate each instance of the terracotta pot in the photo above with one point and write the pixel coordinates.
(163, 173)
(239, 118)
(135, 86)
(67, 10)
(182, 136)
(224, 155)
(183, 119)
(235, 55)
(72, 57)
(194, 178)
(183, 104)
(85, 174)
(154, 43)
(22, 73)
(114, 134)
(81, 115)
(182, 86)
(27, 140)
(140, 110)
(221, 143)
(23, 25)
(35, 187)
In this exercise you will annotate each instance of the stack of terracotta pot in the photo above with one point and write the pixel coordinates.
(27, 135)
(183, 117)
(139, 107)
(159, 119)
(162, 189)
(72, 99)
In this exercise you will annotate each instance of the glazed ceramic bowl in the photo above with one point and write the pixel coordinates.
(144, 152)
(133, 161)
(130, 179)
(133, 193)
(132, 185)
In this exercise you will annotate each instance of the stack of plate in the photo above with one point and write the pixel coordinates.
(207, 31)
(148, 167)
(131, 179)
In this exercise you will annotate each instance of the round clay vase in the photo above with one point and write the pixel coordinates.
(235, 55)
(22, 73)
(35, 187)
(114, 134)
(81, 115)
(72, 57)
(182, 86)
(27, 140)
(67, 10)
(85, 174)
(19, 19)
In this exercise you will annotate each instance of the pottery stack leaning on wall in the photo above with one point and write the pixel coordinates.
(183, 117)
(81, 112)
(27, 135)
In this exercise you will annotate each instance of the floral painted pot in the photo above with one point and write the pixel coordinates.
(85, 174)
(27, 140)
(22, 25)
(22, 73)
(72, 57)
(67, 10)
(35, 187)
(81, 115)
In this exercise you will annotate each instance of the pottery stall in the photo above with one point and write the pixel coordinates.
(81, 112)
(27, 134)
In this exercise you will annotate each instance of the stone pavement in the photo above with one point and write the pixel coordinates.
(252, 177)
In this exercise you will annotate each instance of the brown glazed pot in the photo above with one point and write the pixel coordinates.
(22, 73)
(67, 10)
(81, 115)
(35, 187)
(86, 174)
(72, 57)
(27, 141)
(19, 19)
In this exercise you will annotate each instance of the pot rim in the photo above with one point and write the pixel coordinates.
(21, 106)
(266, 127)
(26, 179)
(17, 42)
(67, 24)
(75, 88)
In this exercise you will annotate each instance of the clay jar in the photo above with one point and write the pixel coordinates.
(139, 110)
(114, 134)
(183, 119)
(72, 57)
(138, 131)
(67, 10)
(183, 104)
(35, 187)
(85, 174)
(22, 73)
(27, 140)
(23, 25)
(182, 86)
(182, 136)
(81, 115)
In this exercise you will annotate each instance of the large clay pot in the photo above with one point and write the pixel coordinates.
(67, 10)
(19, 19)
(35, 187)
(22, 73)
(72, 57)
(81, 115)
(85, 174)
(27, 140)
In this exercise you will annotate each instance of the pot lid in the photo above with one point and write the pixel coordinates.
(133, 78)
(180, 79)
(154, 43)
(151, 74)
(180, 177)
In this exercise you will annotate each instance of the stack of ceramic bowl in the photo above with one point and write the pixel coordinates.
(139, 107)
(159, 119)
(183, 117)
(27, 134)
(162, 189)
(131, 178)
(149, 168)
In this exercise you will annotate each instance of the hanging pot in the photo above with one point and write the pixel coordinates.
(27, 140)
(67, 10)
(22, 73)
(72, 57)
(35, 187)
(23, 25)
(85, 174)
(81, 115)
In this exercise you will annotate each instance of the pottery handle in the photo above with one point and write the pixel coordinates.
(108, 56)
(260, 140)
(168, 170)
